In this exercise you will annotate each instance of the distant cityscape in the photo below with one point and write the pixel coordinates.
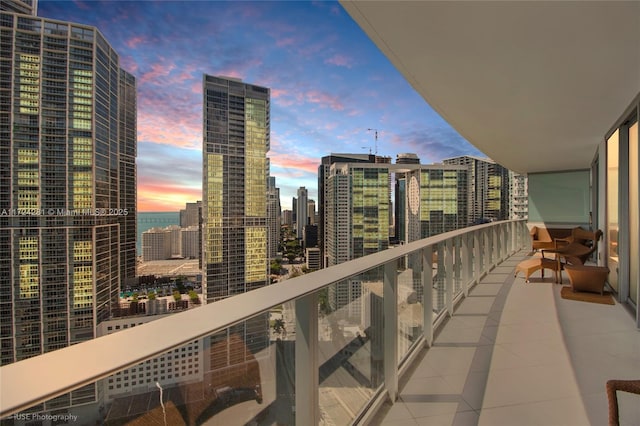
(79, 261)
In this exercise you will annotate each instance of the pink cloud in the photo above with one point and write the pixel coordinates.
(276, 93)
(339, 61)
(158, 197)
(296, 162)
(129, 64)
(135, 41)
(157, 71)
(184, 132)
(82, 5)
(287, 41)
(324, 99)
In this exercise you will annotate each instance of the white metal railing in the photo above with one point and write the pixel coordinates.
(477, 249)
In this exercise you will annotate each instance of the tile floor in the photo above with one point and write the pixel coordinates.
(516, 353)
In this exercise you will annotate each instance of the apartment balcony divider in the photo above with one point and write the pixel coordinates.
(331, 344)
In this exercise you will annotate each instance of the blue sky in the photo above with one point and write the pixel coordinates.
(329, 84)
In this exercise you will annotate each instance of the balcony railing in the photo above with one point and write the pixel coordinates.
(330, 344)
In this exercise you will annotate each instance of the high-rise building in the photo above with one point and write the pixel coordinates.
(357, 222)
(235, 255)
(273, 215)
(287, 218)
(156, 244)
(67, 182)
(519, 196)
(311, 212)
(323, 176)
(191, 214)
(25, 7)
(302, 215)
(435, 200)
(191, 246)
(236, 141)
(488, 188)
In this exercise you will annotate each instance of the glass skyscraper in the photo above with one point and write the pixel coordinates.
(235, 256)
(236, 141)
(67, 185)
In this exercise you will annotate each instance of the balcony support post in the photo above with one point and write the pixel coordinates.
(427, 293)
(501, 243)
(477, 256)
(466, 263)
(306, 358)
(457, 263)
(510, 239)
(448, 275)
(496, 245)
(487, 251)
(390, 333)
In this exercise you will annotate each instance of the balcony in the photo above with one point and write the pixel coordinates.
(433, 332)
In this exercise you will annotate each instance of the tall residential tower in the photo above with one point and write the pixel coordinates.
(234, 207)
(67, 185)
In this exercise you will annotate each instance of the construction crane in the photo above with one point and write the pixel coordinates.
(376, 140)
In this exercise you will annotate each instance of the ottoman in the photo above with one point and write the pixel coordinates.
(529, 266)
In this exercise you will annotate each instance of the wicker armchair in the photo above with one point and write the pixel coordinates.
(631, 386)
(577, 248)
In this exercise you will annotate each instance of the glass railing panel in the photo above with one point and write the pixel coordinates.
(410, 303)
(242, 375)
(439, 279)
(351, 347)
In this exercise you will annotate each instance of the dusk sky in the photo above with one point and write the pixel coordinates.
(329, 84)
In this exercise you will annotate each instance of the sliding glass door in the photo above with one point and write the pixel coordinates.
(634, 213)
(612, 208)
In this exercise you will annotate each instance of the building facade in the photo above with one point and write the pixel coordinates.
(435, 200)
(235, 247)
(67, 186)
(156, 244)
(302, 214)
(489, 191)
(323, 177)
(190, 242)
(191, 214)
(519, 196)
(273, 215)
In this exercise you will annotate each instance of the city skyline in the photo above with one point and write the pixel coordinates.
(329, 84)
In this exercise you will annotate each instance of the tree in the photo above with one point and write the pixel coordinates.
(194, 297)
(279, 327)
(180, 283)
(323, 301)
(275, 267)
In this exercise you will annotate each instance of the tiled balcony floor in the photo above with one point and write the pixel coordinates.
(518, 354)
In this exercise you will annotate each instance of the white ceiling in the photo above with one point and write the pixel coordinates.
(533, 85)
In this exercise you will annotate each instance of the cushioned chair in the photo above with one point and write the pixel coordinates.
(631, 386)
(540, 238)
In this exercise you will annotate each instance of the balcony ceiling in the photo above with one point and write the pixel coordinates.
(533, 85)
